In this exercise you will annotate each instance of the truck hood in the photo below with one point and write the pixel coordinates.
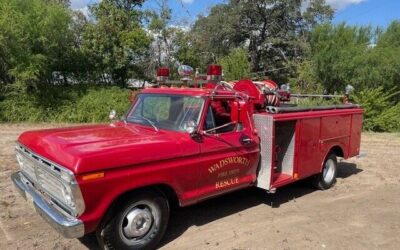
(97, 147)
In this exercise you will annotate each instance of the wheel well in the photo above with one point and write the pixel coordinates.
(162, 189)
(337, 150)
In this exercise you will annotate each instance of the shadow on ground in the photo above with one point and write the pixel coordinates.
(232, 203)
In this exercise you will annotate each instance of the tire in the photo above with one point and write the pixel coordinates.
(140, 223)
(327, 178)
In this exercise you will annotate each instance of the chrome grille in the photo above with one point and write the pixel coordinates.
(27, 167)
(51, 180)
(50, 183)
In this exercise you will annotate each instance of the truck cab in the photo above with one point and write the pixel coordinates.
(176, 146)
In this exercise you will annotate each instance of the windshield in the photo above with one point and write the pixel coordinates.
(173, 112)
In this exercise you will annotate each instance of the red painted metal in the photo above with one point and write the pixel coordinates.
(214, 70)
(252, 90)
(271, 84)
(134, 156)
(163, 72)
(214, 73)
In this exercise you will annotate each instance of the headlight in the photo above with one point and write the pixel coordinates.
(59, 183)
(55, 186)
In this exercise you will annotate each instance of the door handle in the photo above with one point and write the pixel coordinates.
(246, 140)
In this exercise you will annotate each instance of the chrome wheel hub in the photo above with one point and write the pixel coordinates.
(329, 170)
(137, 222)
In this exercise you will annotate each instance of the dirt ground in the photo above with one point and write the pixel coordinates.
(362, 211)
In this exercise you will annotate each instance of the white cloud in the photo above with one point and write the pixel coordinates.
(78, 4)
(341, 4)
(183, 27)
(187, 1)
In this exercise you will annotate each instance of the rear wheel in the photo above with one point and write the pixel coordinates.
(327, 178)
(139, 224)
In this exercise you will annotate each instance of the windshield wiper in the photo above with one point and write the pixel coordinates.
(147, 120)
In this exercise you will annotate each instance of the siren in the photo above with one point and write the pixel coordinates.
(162, 74)
(185, 71)
(214, 72)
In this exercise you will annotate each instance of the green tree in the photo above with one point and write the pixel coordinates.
(163, 47)
(236, 65)
(186, 52)
(35, 40)
(217, 33)
(391, 36)
(360, 56)
(335, 51)
(274, 32)
(116, 43)
(171, 42)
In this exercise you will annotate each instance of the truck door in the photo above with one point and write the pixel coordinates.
(229, 157)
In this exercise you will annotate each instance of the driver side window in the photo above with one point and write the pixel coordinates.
(218, 119)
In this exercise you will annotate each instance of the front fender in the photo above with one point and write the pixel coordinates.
(100, 194)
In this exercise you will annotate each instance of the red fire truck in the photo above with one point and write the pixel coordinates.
(179, 145)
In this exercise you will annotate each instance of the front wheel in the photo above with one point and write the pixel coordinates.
(327, 178)
(139, 224)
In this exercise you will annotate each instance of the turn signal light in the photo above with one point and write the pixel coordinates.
(93, 176)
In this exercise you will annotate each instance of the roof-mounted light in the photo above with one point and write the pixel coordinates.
(162, 74)
(214, 72)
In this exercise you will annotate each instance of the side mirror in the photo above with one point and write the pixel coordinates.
(191, 128)
(112, 114)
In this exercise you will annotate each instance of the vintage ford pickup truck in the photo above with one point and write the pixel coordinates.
(178, 146)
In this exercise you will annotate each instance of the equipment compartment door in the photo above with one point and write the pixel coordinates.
(309, 153)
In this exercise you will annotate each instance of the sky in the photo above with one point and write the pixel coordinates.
(353, 12)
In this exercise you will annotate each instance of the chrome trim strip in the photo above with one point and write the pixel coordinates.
(333, 138)
(68, 226)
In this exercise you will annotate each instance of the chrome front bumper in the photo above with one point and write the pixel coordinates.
(68, 226)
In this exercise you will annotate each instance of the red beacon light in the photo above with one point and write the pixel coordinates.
(214, 72)
(162, 74)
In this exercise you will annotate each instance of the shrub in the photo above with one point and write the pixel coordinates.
(317, 101)
(79, 103)
(382, 113)
(95, 106)
(19, 106)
